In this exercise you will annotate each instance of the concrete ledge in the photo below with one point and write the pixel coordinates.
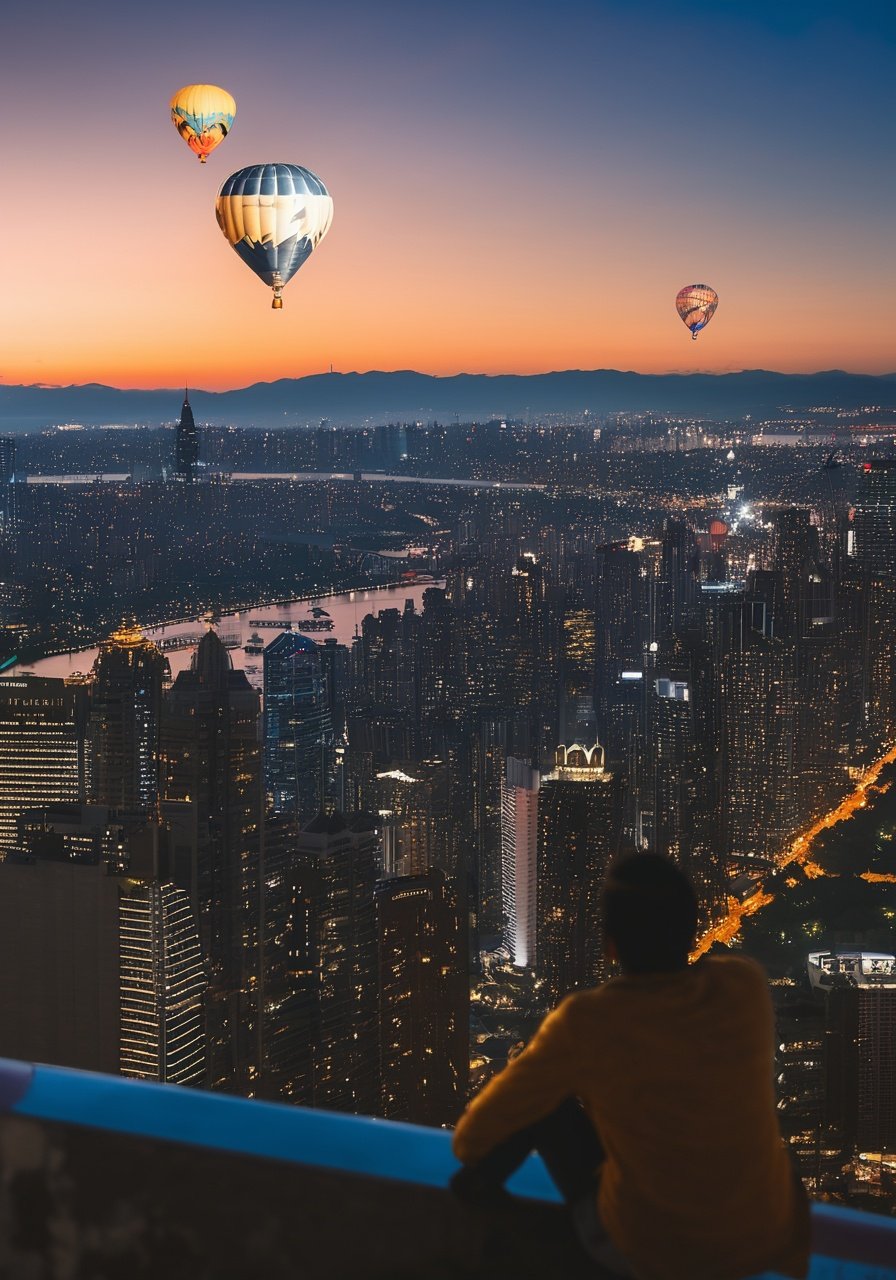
(79, 1203)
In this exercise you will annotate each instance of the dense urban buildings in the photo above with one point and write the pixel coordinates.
(351, 863)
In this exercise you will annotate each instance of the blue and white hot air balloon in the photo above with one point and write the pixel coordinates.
(274, 216)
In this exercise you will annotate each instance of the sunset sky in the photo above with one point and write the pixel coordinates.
(518, 187)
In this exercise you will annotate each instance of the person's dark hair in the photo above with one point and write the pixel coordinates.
(649, 911)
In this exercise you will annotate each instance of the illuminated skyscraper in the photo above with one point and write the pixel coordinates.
(757, 788)
(124, 721)
(424, 999)
(186, 445)
(493, 739)
(298, 731)
(210, 784)
(519, 849)
(413, 797)
(579, 819)
(43, 726)
(860, 1048)
(875, 519)
(161, 986)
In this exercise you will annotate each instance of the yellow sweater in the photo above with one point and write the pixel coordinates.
(676, 1073)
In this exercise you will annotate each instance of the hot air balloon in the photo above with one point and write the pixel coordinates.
(274, 216)
(696, 304)
(203, 115)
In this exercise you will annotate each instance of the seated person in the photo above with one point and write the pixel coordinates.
(651, 1101)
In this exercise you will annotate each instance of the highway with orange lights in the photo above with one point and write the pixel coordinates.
(798, 851)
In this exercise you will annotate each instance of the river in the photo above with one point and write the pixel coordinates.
(346, 612)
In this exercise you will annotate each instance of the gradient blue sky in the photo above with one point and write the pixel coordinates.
(518, 186)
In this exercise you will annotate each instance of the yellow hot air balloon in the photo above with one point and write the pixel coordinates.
(203, 115)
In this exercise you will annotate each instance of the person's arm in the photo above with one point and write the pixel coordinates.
(528, 1088)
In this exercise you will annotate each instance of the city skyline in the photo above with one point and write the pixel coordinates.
(516, 189)
(432, 686)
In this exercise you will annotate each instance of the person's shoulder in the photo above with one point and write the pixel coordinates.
(588, 1006)
(735, 971)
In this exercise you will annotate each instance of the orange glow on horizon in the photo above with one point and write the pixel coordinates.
(151, 295)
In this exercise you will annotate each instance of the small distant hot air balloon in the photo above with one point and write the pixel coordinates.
(274, 216)
(203, 115)
(696, 304)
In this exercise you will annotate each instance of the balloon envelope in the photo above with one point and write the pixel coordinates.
(203, 115)
(696, 304)
(274, 216)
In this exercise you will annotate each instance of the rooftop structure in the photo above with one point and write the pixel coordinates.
(851, 968)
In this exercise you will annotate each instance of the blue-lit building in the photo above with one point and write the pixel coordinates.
(298, 728)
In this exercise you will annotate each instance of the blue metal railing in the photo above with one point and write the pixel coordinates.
(847, 1245)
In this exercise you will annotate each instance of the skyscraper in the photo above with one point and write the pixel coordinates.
(672, 798)
(43, 725)
(298, 730)
(161, 986)
(796, 560)
(59, 981)
(211, 794)
(289, 965)
(186, 445)
(579, 818)
(7, 494)
(124, 721)
(424, 999)
(860, 1047)
(757, 691)
(417, 806)
(519, 858)
(100, 971)
(346, 1058)
(875, 518)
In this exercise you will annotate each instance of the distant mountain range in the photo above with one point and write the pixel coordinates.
(346, 398)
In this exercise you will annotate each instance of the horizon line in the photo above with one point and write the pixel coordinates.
(447, 377)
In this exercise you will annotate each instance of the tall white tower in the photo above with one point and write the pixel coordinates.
(519, 849)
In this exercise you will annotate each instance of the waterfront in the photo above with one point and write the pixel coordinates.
(346, 611)
(294, 477)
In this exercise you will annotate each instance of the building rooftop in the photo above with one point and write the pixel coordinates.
(107, 1176)
(851, 968)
